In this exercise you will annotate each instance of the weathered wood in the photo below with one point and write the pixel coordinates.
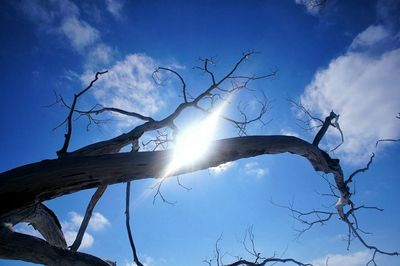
(33, 183)
(19, 246)
(42, 219)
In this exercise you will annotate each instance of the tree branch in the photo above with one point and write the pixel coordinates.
(88, 214)
(180, 78)
(324, 128)
(67, 135)
(42, 219)
(115, 144)
(128, 227)
(36, 250)
(23, 186)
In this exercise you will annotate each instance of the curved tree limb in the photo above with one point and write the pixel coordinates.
(36, 250)
(29, 184)
(42, 219)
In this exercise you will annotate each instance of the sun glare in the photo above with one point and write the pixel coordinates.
(193, 142)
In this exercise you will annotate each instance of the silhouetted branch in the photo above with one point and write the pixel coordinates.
(100, 109)
(88, 214)
(128, 226)
(309, 219)
(361, 170)
(67, 135)
(258, 259)
(180, 78)
(324, 128)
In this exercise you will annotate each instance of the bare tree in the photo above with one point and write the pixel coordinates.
(97, 165)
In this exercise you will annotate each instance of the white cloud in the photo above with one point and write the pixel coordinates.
(371, 36)
(129, 85)
(49, 13)
(97, 222)
(114, 7)
(363, 88)
(62, 17)
(101, 54)
(87, 240)
(79, 33)
(221, 168)
(254, 169)
(354, 259)
(71, 226)
(147, 261)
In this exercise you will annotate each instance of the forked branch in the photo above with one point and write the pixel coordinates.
(68, 134)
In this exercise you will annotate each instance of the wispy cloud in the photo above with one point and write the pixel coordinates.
(369, 37)
(79, 33)
(129, 85)
(62, 18)
(312, 6)
(221, 168)
(115, 7)
(353, 259)
(254, 169)
(362, 86)
(99, 55)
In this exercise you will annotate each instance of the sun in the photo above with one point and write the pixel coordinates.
(193, 142)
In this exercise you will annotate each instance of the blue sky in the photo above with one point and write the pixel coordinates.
(344, 57)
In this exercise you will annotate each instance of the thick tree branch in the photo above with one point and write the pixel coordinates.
(42, 219)
(26, 185)
(19, 246)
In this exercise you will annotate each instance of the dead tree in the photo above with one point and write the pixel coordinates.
(97, 165)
